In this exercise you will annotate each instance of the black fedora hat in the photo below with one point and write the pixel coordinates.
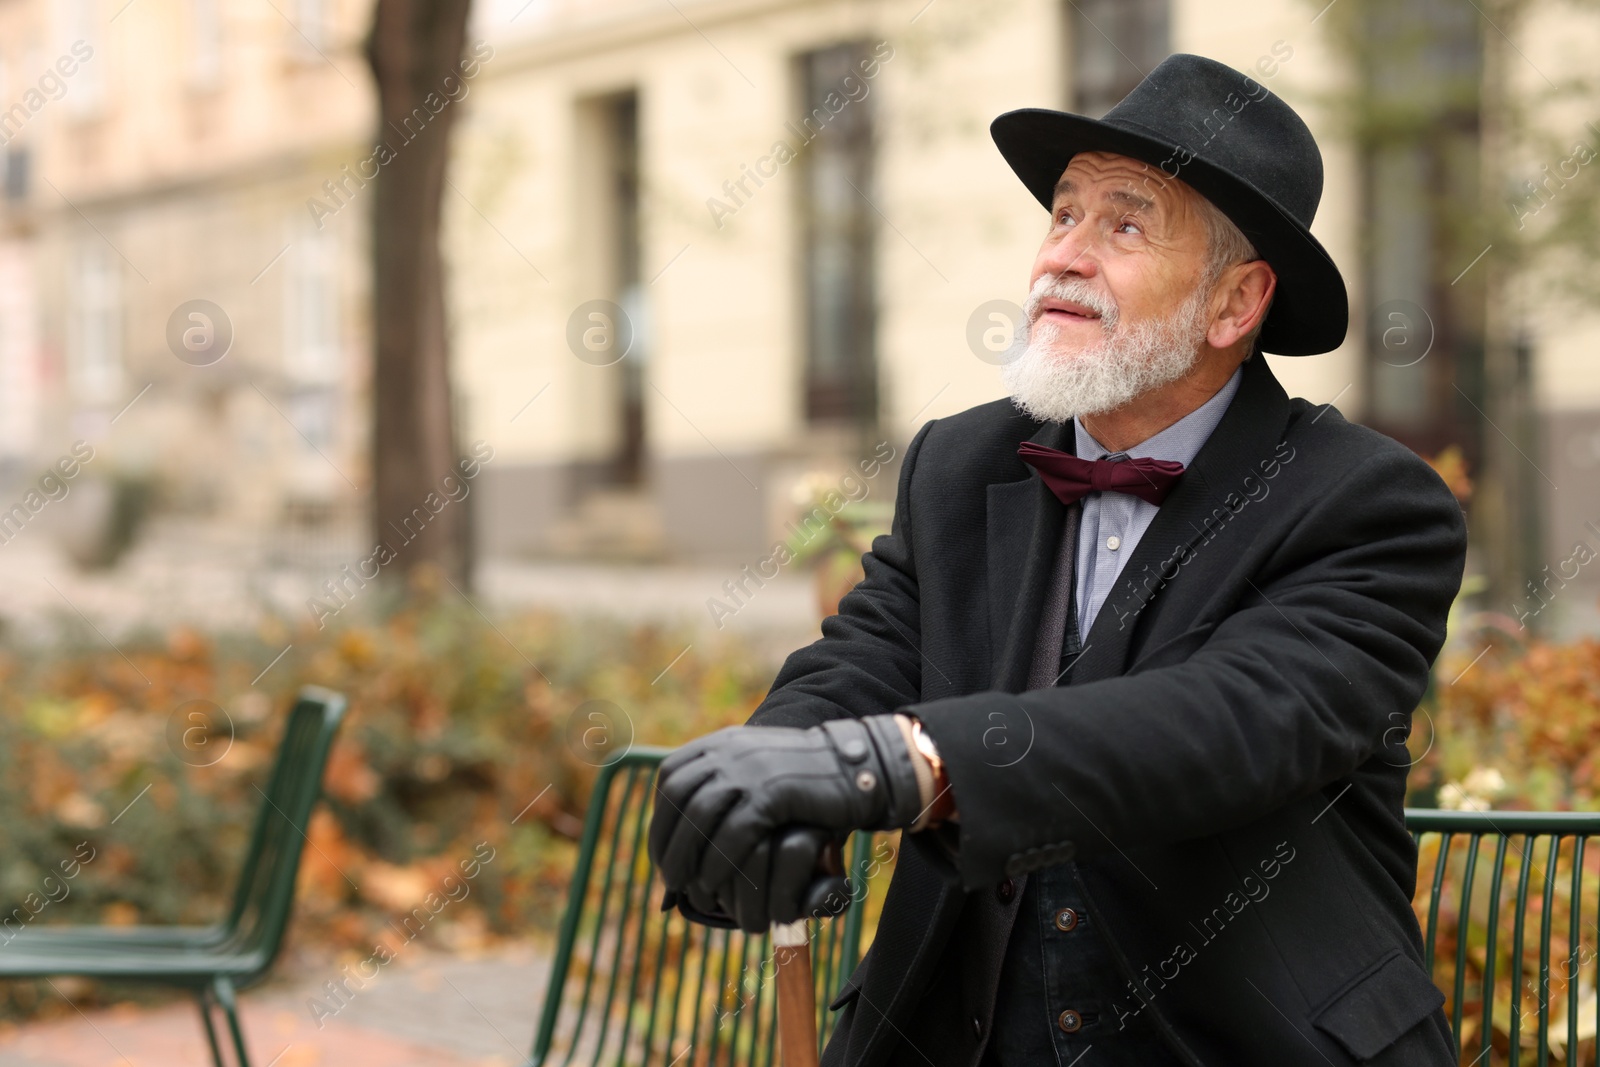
(1235, 143)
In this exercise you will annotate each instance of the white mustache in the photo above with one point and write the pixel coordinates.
(1076, 290)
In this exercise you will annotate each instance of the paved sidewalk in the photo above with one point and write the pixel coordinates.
(189, 573)
(427, 1009)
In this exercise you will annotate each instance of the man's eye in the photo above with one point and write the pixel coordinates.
(1064, 218)
(1129, 226)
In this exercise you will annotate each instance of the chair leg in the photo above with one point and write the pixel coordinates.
(230, 1007)
(203, 999)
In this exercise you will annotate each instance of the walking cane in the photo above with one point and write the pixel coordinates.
(797, 1001)
(797, 998)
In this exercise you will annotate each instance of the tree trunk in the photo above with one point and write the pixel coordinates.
(415, 50)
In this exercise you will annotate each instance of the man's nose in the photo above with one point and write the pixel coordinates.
(1075, 254)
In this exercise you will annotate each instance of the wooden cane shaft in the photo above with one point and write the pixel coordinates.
(797, 1000)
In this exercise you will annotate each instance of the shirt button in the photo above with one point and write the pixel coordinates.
(1066, 920)
(1113, 542)
(1005, 891)
(1069, 1021)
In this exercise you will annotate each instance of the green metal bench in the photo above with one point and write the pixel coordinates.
(213, 961)
(1528, 901)
(630, 984)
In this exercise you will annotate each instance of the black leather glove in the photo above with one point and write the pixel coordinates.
(798, 873)
(721, 795)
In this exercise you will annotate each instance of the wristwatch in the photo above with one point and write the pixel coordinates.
(944, 802)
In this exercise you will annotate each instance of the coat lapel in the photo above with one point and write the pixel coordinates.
(1025, 521)
(1024, 529)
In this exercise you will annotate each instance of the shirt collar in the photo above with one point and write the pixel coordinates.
(1180, 441)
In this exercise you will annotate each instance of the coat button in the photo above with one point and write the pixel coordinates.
(1066, 920)
(977, 1028)
(1005, 891)
(1069, 1021)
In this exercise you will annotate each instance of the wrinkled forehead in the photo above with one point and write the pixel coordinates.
(1127, 182)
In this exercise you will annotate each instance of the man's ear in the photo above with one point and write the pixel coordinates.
(1246, 291)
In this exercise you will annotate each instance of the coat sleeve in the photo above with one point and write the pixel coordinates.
(1332, 638)
(869, 658)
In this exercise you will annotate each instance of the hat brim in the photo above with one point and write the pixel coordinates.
(1310, 311)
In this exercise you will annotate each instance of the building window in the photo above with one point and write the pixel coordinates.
(837, 238)
(311, 326)
(311, 359)
(94, 325)
(17, 163)
(624, 193)
(80, 21)
(205, 39)
(1113, 45)
(1420, 69)
(310, 19)
(611, 262)
(19, 357)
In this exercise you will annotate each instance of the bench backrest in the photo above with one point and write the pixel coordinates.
(264, 896)
(632, 984)
(1518, 974)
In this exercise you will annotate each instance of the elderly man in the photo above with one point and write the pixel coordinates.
(1135, 667)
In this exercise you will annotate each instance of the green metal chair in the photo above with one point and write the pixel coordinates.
(218, 960)
(632, 984)
(1469, 909)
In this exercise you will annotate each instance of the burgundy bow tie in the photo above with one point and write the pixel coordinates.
(1069, 477)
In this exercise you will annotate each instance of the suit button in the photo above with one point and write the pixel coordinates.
(977, 1028)
(1069, 1021)
(1005, 891)
(1066, 920)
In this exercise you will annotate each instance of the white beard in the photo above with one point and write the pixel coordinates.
(1054, 382)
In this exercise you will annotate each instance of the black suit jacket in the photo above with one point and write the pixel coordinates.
(1226, 760)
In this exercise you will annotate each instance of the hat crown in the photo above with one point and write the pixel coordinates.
(1210, 112)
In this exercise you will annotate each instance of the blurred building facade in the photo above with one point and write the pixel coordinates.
(169, 297)
(798, 211)
(696, 250)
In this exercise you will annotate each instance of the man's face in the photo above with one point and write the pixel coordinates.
(1130, 231)
(1115, 306)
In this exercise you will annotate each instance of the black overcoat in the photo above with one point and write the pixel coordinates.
(1226, 761)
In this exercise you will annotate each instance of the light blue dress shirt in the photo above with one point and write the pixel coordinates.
(1112, 523)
